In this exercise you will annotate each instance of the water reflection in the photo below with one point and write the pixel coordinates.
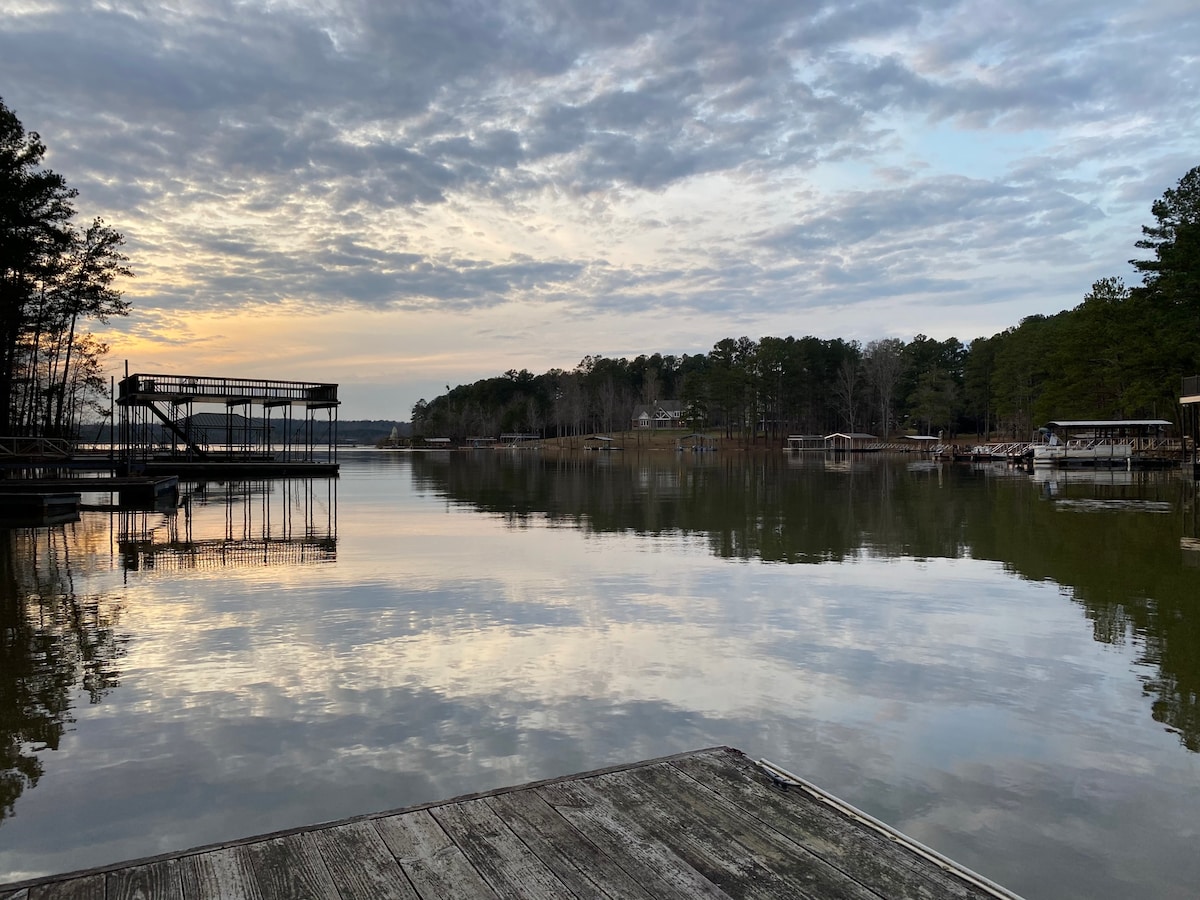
(281, 522)
(1110, 538)
(57, 643)
(53, 642)
(493, 618)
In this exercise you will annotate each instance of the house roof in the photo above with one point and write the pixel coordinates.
(668, 407)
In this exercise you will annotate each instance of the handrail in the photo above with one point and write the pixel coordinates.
(27, 446)
(141, 387)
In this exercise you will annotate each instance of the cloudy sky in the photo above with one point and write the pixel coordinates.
(402, 195)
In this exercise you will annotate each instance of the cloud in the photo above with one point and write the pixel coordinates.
(585, 159)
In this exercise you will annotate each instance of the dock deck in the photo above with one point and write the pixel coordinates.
(133, 491)
(710, 823)
(25, 508)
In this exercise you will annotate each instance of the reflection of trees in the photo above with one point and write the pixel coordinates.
(1123, 566)
(51, 642)
(1120, 562)
(747, 507)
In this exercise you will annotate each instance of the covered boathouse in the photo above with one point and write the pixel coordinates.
(269, 427)
(1104, 442)
(1189, 399)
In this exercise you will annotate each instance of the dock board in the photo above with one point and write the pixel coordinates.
(22, 508)
(710, 823)
(132, 490)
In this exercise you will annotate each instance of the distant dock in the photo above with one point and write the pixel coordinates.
(709, 823)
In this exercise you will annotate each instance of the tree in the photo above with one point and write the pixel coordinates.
(1174, 272)
(1169, 298)
(93, 262)
(35, 208)
(882, 365)
(52, 275)
(979, 383)
(729, 376)
(1091, 359)
(845, 389)
(935, 402)
(770, 371)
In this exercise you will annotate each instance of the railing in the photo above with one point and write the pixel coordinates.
(1007, 449)
(143, 387)
(1190, 386)
(36, 447)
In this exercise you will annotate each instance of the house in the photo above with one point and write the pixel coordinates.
(662, 414)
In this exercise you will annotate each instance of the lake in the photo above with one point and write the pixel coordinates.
(1004, 665)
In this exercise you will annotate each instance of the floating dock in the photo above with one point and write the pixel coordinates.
(710, 823)
(228, 470)
(132, 490)
(25, 508)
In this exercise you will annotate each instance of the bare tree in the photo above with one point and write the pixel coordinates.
(845, 389)
(882, 366)
(650, 386)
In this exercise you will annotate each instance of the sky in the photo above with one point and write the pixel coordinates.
(403, 196)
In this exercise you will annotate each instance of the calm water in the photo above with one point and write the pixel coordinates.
(1006, 669)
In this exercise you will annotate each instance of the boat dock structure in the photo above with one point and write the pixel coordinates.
(1189, 399)
(708, 823)
(276, 432)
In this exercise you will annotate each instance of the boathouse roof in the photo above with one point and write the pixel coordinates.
(1107, 423)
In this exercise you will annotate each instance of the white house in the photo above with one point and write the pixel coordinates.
(663, 414)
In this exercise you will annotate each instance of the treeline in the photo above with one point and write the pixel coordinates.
(55, 276)
(1118, 354)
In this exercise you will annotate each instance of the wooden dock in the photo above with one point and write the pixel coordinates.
(237, 470)
(24, 508)
(132, 490)
(710, 823)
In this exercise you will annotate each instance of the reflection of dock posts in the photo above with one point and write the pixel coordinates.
(258, 534)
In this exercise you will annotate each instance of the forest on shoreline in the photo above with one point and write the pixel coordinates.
(1120, 353)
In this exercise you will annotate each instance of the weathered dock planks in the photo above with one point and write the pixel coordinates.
(710, 823)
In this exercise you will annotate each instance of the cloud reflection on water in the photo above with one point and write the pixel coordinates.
(450, 653)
